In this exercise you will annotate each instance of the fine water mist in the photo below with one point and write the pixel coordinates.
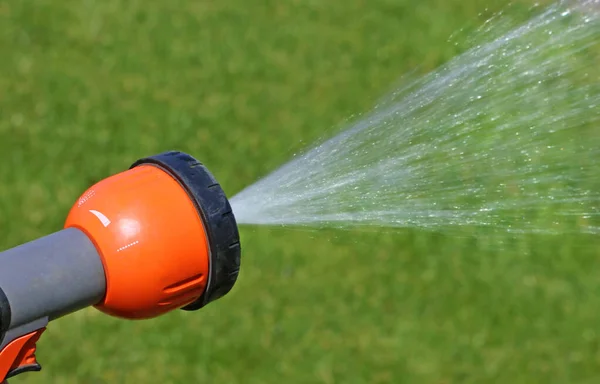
(503, 136)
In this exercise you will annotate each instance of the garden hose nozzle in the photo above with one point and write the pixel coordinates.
(157, 237)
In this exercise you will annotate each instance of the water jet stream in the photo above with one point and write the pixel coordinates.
(503, 136)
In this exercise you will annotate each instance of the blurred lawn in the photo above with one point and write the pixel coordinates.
(88, 87)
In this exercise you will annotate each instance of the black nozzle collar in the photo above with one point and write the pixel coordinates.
(219, 221)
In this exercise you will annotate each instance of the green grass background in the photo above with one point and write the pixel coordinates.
(87, 87)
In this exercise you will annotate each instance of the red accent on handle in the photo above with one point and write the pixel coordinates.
(19, 352)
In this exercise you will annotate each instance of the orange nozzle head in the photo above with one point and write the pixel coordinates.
(166, 235)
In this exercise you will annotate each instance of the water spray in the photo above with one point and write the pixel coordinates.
(158, 237)
(502, 137)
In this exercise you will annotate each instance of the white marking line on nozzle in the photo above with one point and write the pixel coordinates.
(127, 246)
(103, 219)
(88, 195)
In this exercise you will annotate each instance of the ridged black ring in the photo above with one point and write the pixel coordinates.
(220, 224)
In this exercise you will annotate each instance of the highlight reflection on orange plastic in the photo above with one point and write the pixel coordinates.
(151, 239)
